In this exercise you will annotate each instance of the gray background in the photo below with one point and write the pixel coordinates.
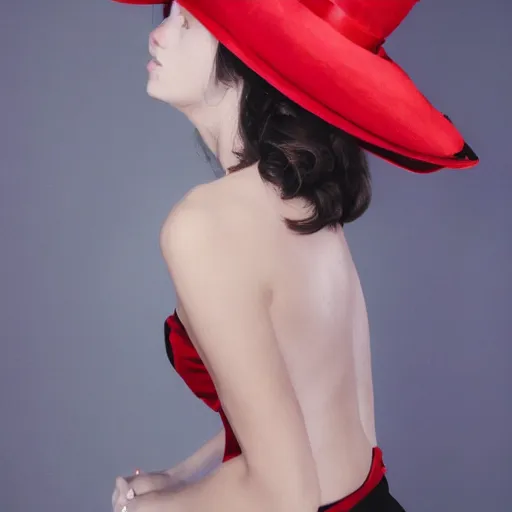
(90, 167)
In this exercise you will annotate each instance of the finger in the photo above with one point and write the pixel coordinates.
(141, 484)
(139, 503)
(133, 506)
(122, 485)
(115, 496)
(121, 504)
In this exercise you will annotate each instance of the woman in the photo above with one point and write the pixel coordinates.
(271, 328)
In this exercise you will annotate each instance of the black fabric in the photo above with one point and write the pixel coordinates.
(168, 347)
(379, 500)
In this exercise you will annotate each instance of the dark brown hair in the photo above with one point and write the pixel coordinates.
(298, 152)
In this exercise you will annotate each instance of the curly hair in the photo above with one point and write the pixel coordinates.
(297, 151)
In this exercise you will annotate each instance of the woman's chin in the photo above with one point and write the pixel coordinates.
(153, 90)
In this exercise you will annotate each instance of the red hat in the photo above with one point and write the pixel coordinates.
(327, 56)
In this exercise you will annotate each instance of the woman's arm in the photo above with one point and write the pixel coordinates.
(201, 463)
(222, 275)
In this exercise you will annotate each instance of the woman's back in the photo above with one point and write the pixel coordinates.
(319, 317)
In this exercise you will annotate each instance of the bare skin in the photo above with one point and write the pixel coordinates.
(320, 321)
(318, 309)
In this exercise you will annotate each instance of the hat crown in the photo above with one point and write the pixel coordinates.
(378, 17)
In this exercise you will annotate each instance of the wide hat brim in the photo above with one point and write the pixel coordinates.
(365, 94)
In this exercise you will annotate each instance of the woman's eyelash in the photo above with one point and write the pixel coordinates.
(186, 24)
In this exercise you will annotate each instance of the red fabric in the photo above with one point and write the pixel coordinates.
(358, 33)
(377, 472)
(188, 364)
(327, 71)
(190, 368)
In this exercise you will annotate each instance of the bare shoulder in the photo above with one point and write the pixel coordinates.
(220, 215)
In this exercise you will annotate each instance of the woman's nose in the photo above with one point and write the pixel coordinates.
(153, 41)
(157, 36)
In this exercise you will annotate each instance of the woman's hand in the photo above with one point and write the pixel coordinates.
(121, 494)
(158, 501)
(126, 488)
